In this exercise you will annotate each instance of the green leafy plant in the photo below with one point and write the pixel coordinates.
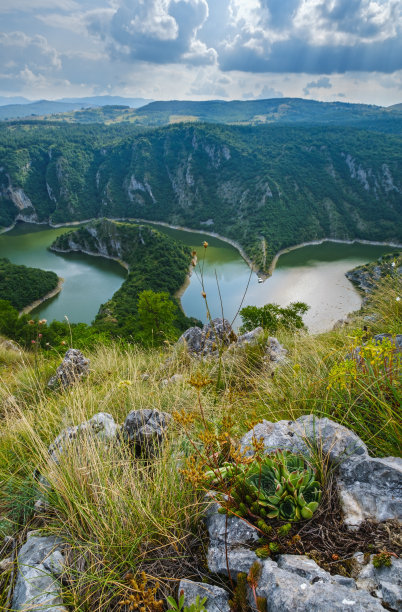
(278, 486)
(383, 559)
(178, 606)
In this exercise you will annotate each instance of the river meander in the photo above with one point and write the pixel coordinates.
(313, 274)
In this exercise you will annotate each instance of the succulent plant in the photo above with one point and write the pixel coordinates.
(285, 486)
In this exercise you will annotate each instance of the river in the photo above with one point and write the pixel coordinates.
(312, 274)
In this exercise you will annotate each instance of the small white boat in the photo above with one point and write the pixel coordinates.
(260, 280)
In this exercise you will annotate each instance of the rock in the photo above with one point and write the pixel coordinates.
(251, 338)
(340, 323)
(173, 380)
(287, 591)
(6, 564)
(396, 341)
(36, 587)
(10, 345)
(238, 559)
(145, 376)
(209, 339)
(335, 441)
(145, 429)
(101, 425)
(230, 530)
(275, 351)
(192, 339)
(304, 567)
(73, 367)
(371, 488)
(384, 582)
(217, 598)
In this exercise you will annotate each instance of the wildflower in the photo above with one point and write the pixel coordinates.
(193, 253)
(125, 383)
(205, 244)
(33, 341)
(31, 322)
(204, 295)
(42, 321)
(393, 264)
(398, 299)
(63, 342)
(40, 335)
(47, 344)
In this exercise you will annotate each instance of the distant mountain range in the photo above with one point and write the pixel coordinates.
(141, 112)
(19, 108)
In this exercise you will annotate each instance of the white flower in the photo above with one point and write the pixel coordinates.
(398, 299)
(393, 264)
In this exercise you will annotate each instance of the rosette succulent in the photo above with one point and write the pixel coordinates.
(285, 486)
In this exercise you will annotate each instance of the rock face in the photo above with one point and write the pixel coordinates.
(102, 426)
(145, 430)
(217, 598)
(73, 367)
(40, 562)
(369, 488)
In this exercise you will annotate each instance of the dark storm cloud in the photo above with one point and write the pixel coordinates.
(322, 83)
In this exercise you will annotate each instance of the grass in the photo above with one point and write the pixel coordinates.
(122, 515)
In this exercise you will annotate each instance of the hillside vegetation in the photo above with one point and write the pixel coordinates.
(22, 286)
(155, 263)
(119, 514)
(266, 187)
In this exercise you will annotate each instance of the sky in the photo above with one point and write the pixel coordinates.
(347, 50)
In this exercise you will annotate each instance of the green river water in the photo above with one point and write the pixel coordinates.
(312, 274)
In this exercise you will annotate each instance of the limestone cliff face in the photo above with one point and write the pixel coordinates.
(265, 188)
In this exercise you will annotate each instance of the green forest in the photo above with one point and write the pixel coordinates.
(156, 263)
(22, 286)
(267, 187)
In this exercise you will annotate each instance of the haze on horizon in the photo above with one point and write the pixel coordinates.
(348, 50)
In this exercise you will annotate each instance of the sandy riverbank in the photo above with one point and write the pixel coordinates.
(49, 295)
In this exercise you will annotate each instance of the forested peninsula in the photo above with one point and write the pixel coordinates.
(155, 263)
(267, 187)
(22, 286)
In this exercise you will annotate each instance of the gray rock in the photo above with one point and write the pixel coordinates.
(384, 582)
(304, 567)
(36, 587)
(334, 441)
(145, 429)
(289, 592)
(275, 351)
(209, 339)
(101, 425)
(73, 367)
(220, 559)
(251, 338)
(192, 339)
(10, 345)
(230, 530)
(396, 341)
(371, 488)
(217, 598)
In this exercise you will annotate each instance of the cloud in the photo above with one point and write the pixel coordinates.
(321, 83)
(11, 6)
(17, 51)
(156, 31)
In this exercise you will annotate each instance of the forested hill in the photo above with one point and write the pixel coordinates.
(155, 263)
(21, 286)
(267, 187)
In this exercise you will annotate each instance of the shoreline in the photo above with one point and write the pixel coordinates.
(233, 243)
(116, 259)
(46, 297)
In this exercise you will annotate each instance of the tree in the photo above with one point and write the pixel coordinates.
(271, 317)
(156, 313)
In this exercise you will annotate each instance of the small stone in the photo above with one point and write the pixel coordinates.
(145, 430)
(251, 338)
(217, 598)
(73, 367)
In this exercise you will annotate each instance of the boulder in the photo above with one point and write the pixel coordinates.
(217, 598)
(73, 367)
(275, 351)
(368, 487)
(102, 426)
(384, 582)
(40, 560)
(371, 488)
(250, 338)
(289, 591)
(209, 339)
(145, 430)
